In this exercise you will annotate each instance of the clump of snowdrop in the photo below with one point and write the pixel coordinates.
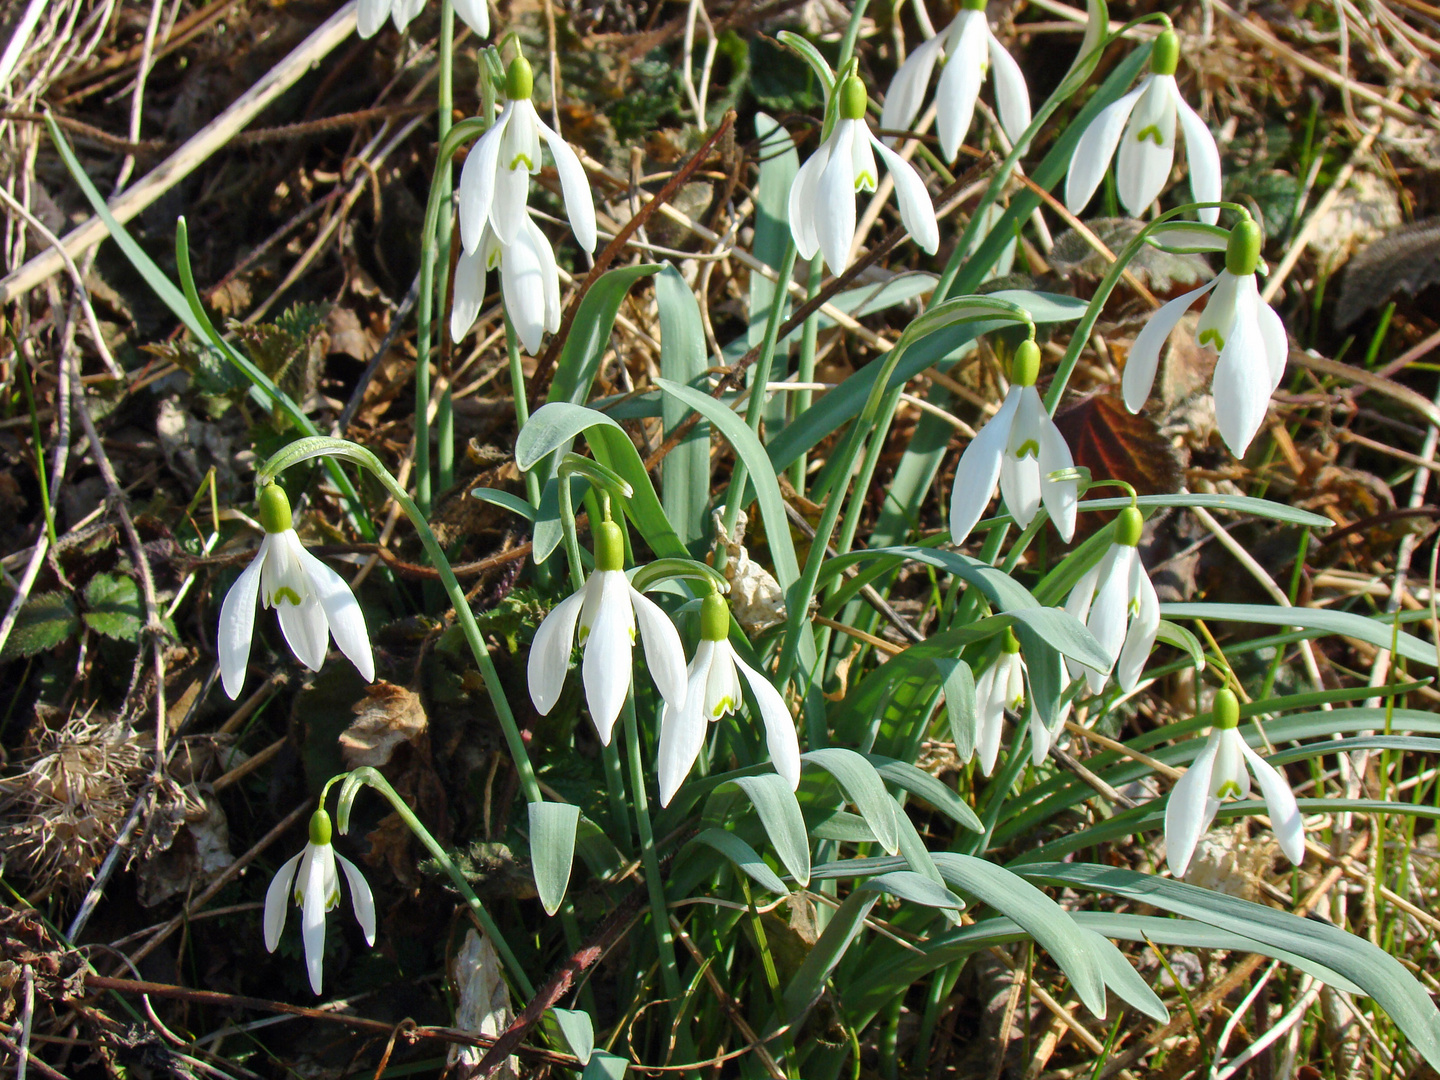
(312, 600)
(1142, 126)
(712, 690)
(316, 891)
(822, 197)
(1020, 447)
(607, 610)
(1239, 325)
(371, 15)
(1220, 772)
(969, 49)
(1117, 603)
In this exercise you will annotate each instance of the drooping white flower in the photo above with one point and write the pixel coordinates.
(1019, 447)
(608, 609)
(1142, 124)
(969, 48)
(822, 196)
(495, 180)
(712, 690)
(1240, 326)
(1000, 687)
(1117, 603)
(371, 14)
(312, 601)
(529, 283)
(316, 891)
(1218, 772)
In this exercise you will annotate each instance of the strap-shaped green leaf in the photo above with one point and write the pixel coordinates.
(861, 784)
(780, 815)
(930, 788)
(685, 472)
(746, 858)
(578, 1031)
(589, 336)
(552, 850)
(1374, 631)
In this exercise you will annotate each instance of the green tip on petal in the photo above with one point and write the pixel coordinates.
(274, 509)
(852, 99)
(1025, 366)
(1165, 54)
(972, 5)
(1011, 644)
(1128, 527)
(1242, 253)
(319, 828)
(609, 547)
(714, 618)
(1226, 709)
(519, 80)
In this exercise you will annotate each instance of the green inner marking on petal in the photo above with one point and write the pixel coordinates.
(1152, 132)
(289, 595)
(1029, 448)
(724, 705)
(865, 181)
(522, 159)
(1212, 337)
(1229, 789)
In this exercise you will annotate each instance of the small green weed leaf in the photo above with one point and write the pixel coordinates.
(745, 858)
(552, 850)
(43, 623)
(113, 607)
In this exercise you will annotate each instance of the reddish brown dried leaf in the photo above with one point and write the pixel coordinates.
(1116, 445)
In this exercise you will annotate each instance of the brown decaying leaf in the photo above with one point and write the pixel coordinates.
(388, 716)
(1114, 444)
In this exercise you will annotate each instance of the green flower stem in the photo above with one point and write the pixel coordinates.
(522, 404)
(317, 446)
(425, 308)
(805, 369)
(37, 440)
(445, 104)
(654, 882)
(371, 778)
(572, 537)
(852, 34)
(755, 407)
(1081, 336)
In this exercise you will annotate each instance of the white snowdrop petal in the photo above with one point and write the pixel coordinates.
(1112, 600)
(1061, 497)
(312, 922)
(683, 726)
(979, 469)
(1185, 816)
(1077, 605)
(550, 652)
(342, 612)
(1144, 358)
(237, 623)
(360, 897)
(522, 284)
(907, 88)
(664, 654)
(1140, 638)
(1277, 343)
(574, 186)
(305, 630)
(959, 84)
(370, 15)
(402, 13)
(607, 666)
(477, 181)
(474, 14)
(469, 294)
(1095, 149)
(1284, 813)
(277, 901)
(1242, 380)
(1012, 96)
(780, 738)
(508, 212)
(1204, 160)
(1142, 166)
(834, 212)
(917, 212)
(803, 203)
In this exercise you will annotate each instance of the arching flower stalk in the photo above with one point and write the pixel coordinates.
(1117, 603)
(713, 690)
(822, 197)
(969, 49)
(1142, 125)
(607, 610)
(1218, 772)
(1020, 448)
(1239, 325)
(316, 891)
(312, 600)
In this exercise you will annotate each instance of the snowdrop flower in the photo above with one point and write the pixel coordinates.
(1240, 326)
(495, 181)
(312, 601)
(371, 15)
(1002, 687)
(317, 890)
(712, 690)
(969, 48)
(822, 197)
(1020, 447)
(529, 283)
(608, 609)
(1219, 772)
(1117, 603)
(1142, 125)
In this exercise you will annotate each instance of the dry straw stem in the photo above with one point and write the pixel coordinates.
(192, 153)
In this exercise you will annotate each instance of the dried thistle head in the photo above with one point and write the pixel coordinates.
(65, 810)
